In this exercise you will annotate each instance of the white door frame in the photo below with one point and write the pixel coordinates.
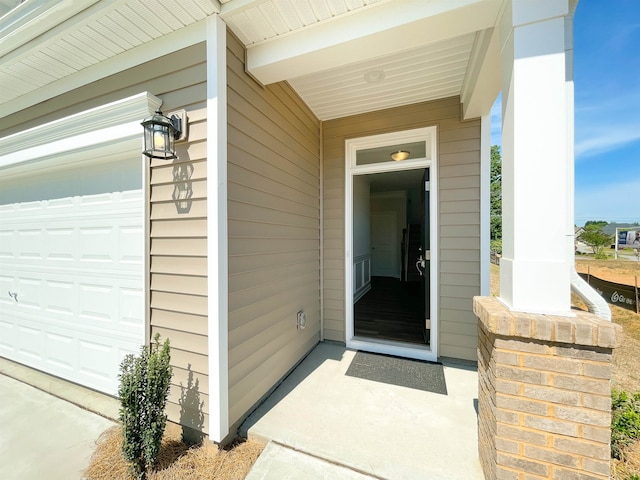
(428, 135)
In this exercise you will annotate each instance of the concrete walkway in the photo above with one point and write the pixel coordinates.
(43, 437)
(320, 419)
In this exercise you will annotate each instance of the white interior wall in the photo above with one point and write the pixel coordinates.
(361, 216)
(393, 202)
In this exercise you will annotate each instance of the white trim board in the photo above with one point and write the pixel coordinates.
(217, 231)
(428, 135)
(113, 127)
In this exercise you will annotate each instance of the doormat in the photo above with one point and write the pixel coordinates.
(398, 371)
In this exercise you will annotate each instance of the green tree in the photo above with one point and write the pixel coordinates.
(496, 199)
(594, 237)
(598, 223)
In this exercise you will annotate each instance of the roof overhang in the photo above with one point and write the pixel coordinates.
(383, 29)
(342, 58)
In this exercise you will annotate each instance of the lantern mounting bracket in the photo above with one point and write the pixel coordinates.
(179, 121)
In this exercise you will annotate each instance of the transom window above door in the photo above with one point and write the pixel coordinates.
(392, 153)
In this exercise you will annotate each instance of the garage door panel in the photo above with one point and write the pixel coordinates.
(129, 238)
(8, 337)
(7, 247)
(76, 265)
(30, 246)
(94, 357)
(28, 292)
(61, 298)
(96, 244)
(131, 301)
(31, 342)
(94, 303)
(61, 352)
(61, 243)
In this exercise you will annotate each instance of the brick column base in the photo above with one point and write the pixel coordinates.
(544, 393)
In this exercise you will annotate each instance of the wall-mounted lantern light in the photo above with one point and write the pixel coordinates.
(161, 132)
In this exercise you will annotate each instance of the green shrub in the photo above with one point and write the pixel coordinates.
(143, 391)
(601, 256)
(625, 421)
(496, 246)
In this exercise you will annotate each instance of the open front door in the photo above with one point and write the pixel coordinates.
(390, 305)
(423, 263)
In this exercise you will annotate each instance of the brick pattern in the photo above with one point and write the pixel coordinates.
(544, 394)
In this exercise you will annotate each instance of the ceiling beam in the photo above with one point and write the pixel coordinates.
(482, 78)
(381, 29)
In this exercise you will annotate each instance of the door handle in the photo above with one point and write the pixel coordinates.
(421, 264)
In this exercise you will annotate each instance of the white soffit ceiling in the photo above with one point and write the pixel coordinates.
(51, 46)
(86, 38)
(406, 71)
(418, 75)
(262, 20)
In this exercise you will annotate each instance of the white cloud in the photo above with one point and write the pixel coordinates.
(605, 122)
(614, 202)
(606, 137)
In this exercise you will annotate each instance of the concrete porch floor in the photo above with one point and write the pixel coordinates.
(375, 429)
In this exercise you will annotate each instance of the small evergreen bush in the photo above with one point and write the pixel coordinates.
(625, 421)
(143, 391)
(496, 246)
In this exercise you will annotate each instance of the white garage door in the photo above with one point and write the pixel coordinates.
(71, 270)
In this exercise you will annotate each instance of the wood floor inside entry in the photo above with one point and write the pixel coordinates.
(391, 310)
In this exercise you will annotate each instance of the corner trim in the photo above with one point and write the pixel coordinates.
(217, 231)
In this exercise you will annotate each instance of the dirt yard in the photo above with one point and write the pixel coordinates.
(626, 359)
(177, 461)
(618, 271)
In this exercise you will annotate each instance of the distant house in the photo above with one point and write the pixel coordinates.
(580, 247)
(284, 200)
(610, 228)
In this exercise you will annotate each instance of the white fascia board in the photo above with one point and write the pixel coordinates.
(380, 30)
(531, 12)
(100, 126)
(183, 38)
(482, 80)
(217, 231)
(236, 6)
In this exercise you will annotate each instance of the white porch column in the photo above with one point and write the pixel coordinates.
(537, 113)
(217, 233)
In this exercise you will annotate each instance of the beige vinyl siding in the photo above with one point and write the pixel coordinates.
(274, 232)
(178, 257)
(458, 222)
(178, 246)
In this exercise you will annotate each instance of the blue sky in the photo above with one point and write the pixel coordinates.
(607, 111)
